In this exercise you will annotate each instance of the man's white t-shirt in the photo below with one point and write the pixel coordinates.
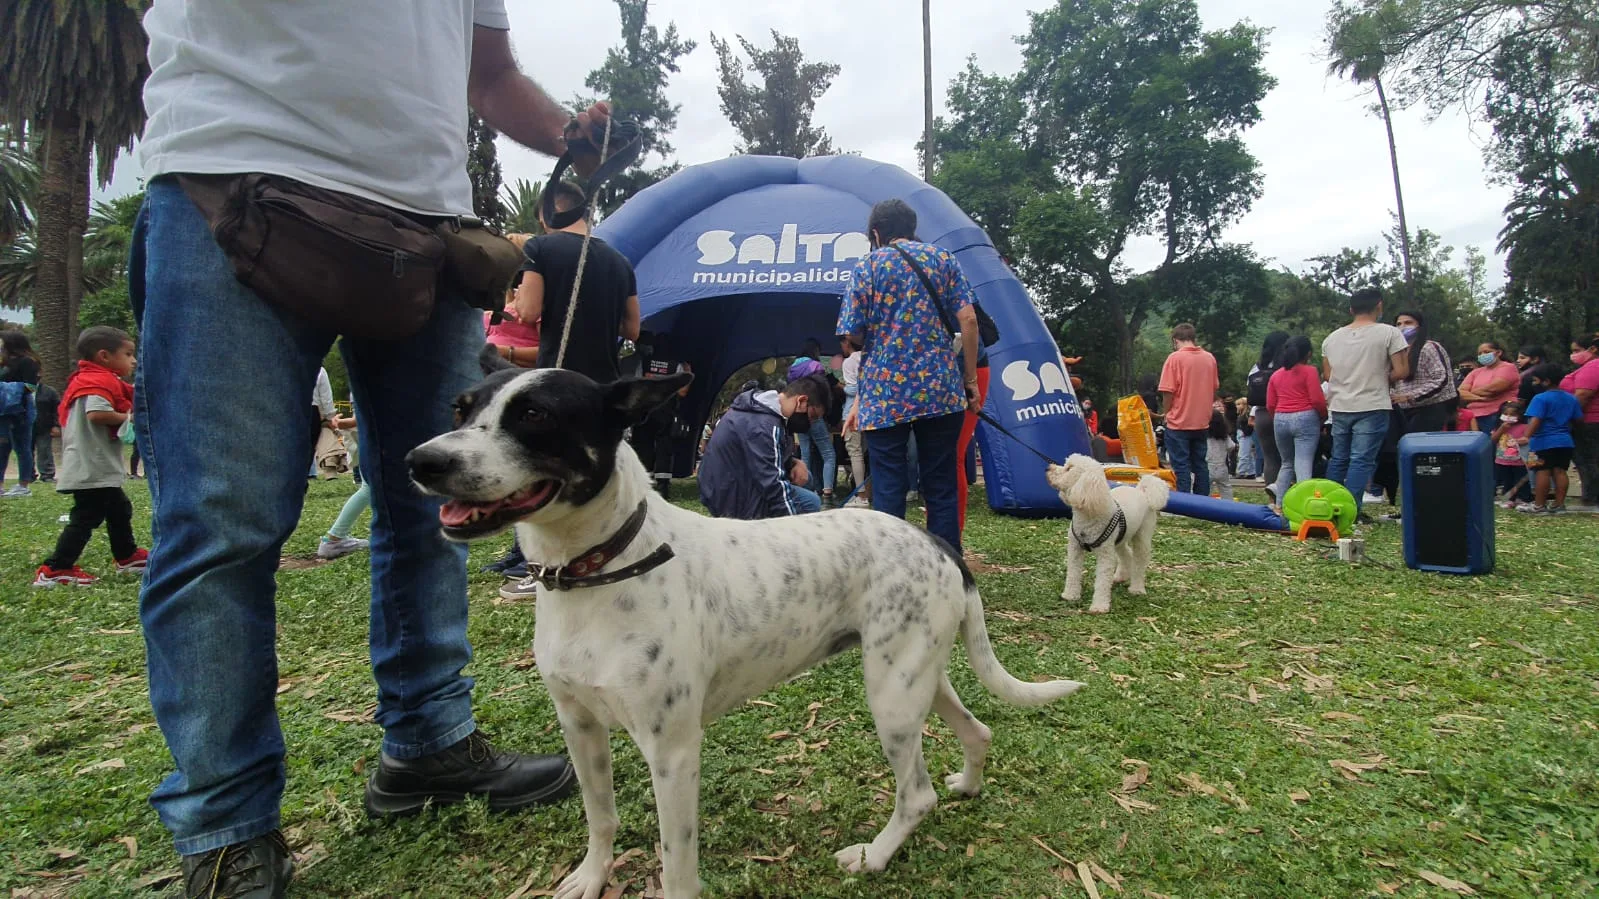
(1360, 359)
(362, 96)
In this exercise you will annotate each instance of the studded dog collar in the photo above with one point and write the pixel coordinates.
(584, 570)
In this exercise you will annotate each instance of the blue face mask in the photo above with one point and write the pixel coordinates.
(1410, 333)
(1486, 359)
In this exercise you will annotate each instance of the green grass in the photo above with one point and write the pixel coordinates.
(1251, 666)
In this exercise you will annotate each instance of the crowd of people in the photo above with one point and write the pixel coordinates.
(1343, 418)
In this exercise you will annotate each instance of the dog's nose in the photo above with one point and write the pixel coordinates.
(429, 464)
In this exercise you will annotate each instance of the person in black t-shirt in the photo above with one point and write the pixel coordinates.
(607, 310)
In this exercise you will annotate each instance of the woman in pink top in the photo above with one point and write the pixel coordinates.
(1584, 384)
(1490, 385)
(516, 341)
(1298, 408)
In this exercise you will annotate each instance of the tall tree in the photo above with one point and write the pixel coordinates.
(773, 114)
(1125, 121)
(633, 79)
(71, 75)
(483, 167)
(1354, 46)
(1445, 52)
(19, 178)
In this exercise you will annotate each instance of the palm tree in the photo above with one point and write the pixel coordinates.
(521, 208)
(1355, 50)
(19, 262)
(19, 178)
(71, 75)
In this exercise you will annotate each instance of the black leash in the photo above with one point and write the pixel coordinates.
(1019, 441)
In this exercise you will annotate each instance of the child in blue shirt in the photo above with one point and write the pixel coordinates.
(1548, 438)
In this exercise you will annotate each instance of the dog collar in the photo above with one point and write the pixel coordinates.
(584, 570)
(1117, 526)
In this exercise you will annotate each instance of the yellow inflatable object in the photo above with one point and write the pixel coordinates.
(1129, 474)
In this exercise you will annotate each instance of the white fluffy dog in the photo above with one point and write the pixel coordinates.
(1118, 525)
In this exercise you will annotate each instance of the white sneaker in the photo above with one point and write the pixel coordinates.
(1375, 499)
(339, 547)
(858, 502)
(1531, 508)
(18, 490)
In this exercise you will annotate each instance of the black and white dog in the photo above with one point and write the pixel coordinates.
(658, 620)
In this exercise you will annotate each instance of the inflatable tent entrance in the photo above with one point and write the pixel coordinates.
(745, 258)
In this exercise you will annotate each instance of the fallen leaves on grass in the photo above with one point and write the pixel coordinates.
(1197, 784)
(1138, 777)
(1299, 796)
(1129, 804)
(1042, 845)
(773, 859)
(1087, 877)
(1447, 883)
(1340, 716)
(100, 766)
(352, 716)
(1353, 770)
(132, 844)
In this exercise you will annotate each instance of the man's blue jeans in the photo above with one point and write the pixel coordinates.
(1356, 440)
(222, 387)
(1186, 449)
(936, 441)
(818, 436)
(804, 501)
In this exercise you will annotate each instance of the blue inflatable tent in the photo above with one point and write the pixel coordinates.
(745, 258)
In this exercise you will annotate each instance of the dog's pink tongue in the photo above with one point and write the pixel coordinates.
(454, 513)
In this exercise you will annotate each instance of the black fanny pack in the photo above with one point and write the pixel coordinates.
(346, 263)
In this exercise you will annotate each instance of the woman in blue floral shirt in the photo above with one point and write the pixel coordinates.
(914, 379)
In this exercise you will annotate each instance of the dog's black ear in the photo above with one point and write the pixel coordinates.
(631, 400)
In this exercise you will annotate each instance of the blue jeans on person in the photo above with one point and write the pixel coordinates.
(1187, 452)
(16, 432)
(804, 501)
(220, 414)
(819, 437)
(1297, 435)
(1356, 440)
(936, 442)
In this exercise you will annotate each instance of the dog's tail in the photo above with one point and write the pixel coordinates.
(1156, 492)
(1001, 683)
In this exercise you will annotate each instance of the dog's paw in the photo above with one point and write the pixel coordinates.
(857, 859)
(957, 784)
(1136, 589)
(1099, 608)
(1121, 577)
(1070, 595)
(587, 882)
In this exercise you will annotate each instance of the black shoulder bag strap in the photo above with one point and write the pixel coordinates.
(943, 315)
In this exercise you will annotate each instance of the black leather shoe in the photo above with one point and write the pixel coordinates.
(472, 767)
(254, 869)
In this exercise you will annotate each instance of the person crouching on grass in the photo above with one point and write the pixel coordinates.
(96, 403)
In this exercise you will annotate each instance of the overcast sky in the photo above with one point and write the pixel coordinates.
(1325, 157)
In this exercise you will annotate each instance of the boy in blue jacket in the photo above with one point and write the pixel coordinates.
(750, 469)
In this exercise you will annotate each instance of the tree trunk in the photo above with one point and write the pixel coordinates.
(1399, 194)
(927, 90)
(63, 192)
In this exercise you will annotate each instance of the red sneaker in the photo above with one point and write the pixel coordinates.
(136, 562)
(71, 577)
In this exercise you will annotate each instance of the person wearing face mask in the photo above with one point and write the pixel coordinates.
(751, 468)
(1490, 385)
(1584, 385)
(1424, 401)
(1528, 358)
